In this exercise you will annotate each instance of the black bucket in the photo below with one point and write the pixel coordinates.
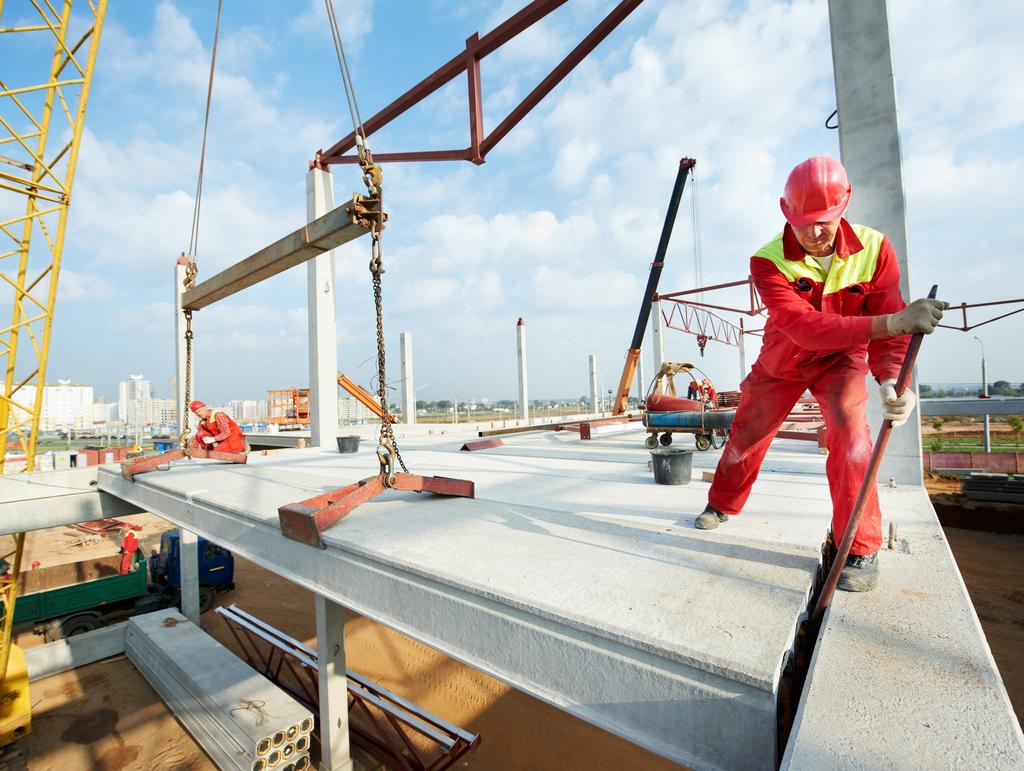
(348, 444)
(672, 465)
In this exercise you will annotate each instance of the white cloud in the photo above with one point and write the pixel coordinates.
(83, 286)
(355, 21)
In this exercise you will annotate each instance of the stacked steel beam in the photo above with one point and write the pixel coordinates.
(242, 720)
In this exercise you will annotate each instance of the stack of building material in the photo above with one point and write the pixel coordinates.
(1004, 488)
(241, 719)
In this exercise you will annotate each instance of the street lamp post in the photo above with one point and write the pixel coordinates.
(987, 441)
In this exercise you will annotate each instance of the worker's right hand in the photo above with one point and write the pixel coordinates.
(207, 440)
(921, 316)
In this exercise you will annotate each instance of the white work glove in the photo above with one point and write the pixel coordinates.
(896, 408)
(920, 316)
(209, 439)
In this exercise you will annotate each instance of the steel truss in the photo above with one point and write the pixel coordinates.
(388, 727)
(695, 317)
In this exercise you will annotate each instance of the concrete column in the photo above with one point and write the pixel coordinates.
(330, 648)
(593, 384)
(869, 142)
(408, 389)
(524, 402)
(188, 558)
(658, 334)
(987, 436)
(641, 381)
(743, 352)
(323, 336)
(188, 563)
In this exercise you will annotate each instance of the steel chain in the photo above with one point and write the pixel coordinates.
(387, 451)
(186, 418)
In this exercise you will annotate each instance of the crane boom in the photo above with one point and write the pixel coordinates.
(633, 354)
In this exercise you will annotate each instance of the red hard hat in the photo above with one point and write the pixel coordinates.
(817, 190)
(196, 405)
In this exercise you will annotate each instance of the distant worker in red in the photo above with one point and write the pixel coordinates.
(707, 392)
(835, 311)
(216, 431)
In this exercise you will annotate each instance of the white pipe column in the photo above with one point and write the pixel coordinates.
(743, 352)
(524, 404)
(658, 333)
(335, 754)
(869, 142)
(641, 382)
(188, 543)
(408, 390)
(323, 336)
(593, 383)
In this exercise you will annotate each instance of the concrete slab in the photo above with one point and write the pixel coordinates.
(575, 579)
(902, 677)
(62, 655)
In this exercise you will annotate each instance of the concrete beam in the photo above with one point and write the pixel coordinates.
(869, 142)
(328, 230)
(902, 677)
(996, 405)
(609, 617)
(408, 386)
(335, 753)
(180, 353)
(44, 499)
(73, 652)
(323, 333)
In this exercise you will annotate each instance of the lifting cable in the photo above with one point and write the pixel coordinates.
(387, 449)
(192, 266)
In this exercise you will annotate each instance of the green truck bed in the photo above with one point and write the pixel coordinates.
(88, 595)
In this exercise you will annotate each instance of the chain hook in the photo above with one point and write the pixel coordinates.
(386, 456)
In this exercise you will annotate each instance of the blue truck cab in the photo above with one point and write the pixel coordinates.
(216, 568)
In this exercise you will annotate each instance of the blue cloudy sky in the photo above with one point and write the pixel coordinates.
(558, 226)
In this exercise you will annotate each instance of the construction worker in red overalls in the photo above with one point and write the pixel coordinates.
(216, 431)
(832, 291)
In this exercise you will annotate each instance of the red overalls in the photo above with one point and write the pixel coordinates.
(227, 436)
(818, 332)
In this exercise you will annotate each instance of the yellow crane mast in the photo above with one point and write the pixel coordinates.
(36, 178)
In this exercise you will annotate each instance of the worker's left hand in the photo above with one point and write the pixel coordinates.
(209, 439)
(896, 408)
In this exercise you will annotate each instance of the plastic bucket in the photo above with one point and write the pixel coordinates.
(672, 465)
(348, 443)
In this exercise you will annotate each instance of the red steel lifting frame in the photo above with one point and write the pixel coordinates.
(306, 521)
(132, 468)
(962, 307)
(468, 61)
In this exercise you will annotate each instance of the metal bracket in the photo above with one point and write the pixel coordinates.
(307, 520)
(132, 468)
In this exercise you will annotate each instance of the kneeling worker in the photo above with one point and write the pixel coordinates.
(832, 291)
(216, 431)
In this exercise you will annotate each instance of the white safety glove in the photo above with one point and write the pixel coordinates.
(209, 439)
(920, 316)
(896, 408)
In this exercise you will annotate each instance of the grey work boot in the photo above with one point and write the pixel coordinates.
(860, 573)
(709, 519)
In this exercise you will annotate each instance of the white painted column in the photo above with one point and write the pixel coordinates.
(524, 403)
(408, 389)
(593, 384)
(658, 335)
(188, 544)
(869, 142)
(188, 564)
(743, 352)
(323, 336)
(641, 381)
(330, 648)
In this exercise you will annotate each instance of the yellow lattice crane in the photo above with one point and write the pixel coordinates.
(55, 52)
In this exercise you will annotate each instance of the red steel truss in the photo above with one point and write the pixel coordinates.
(695, 317)
(468, 61)
(962, 307)
(391, 729)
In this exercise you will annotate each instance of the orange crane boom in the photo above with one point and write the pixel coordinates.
(364, 397)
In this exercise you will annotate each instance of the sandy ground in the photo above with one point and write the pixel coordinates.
(105, 716)
(993, 569)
